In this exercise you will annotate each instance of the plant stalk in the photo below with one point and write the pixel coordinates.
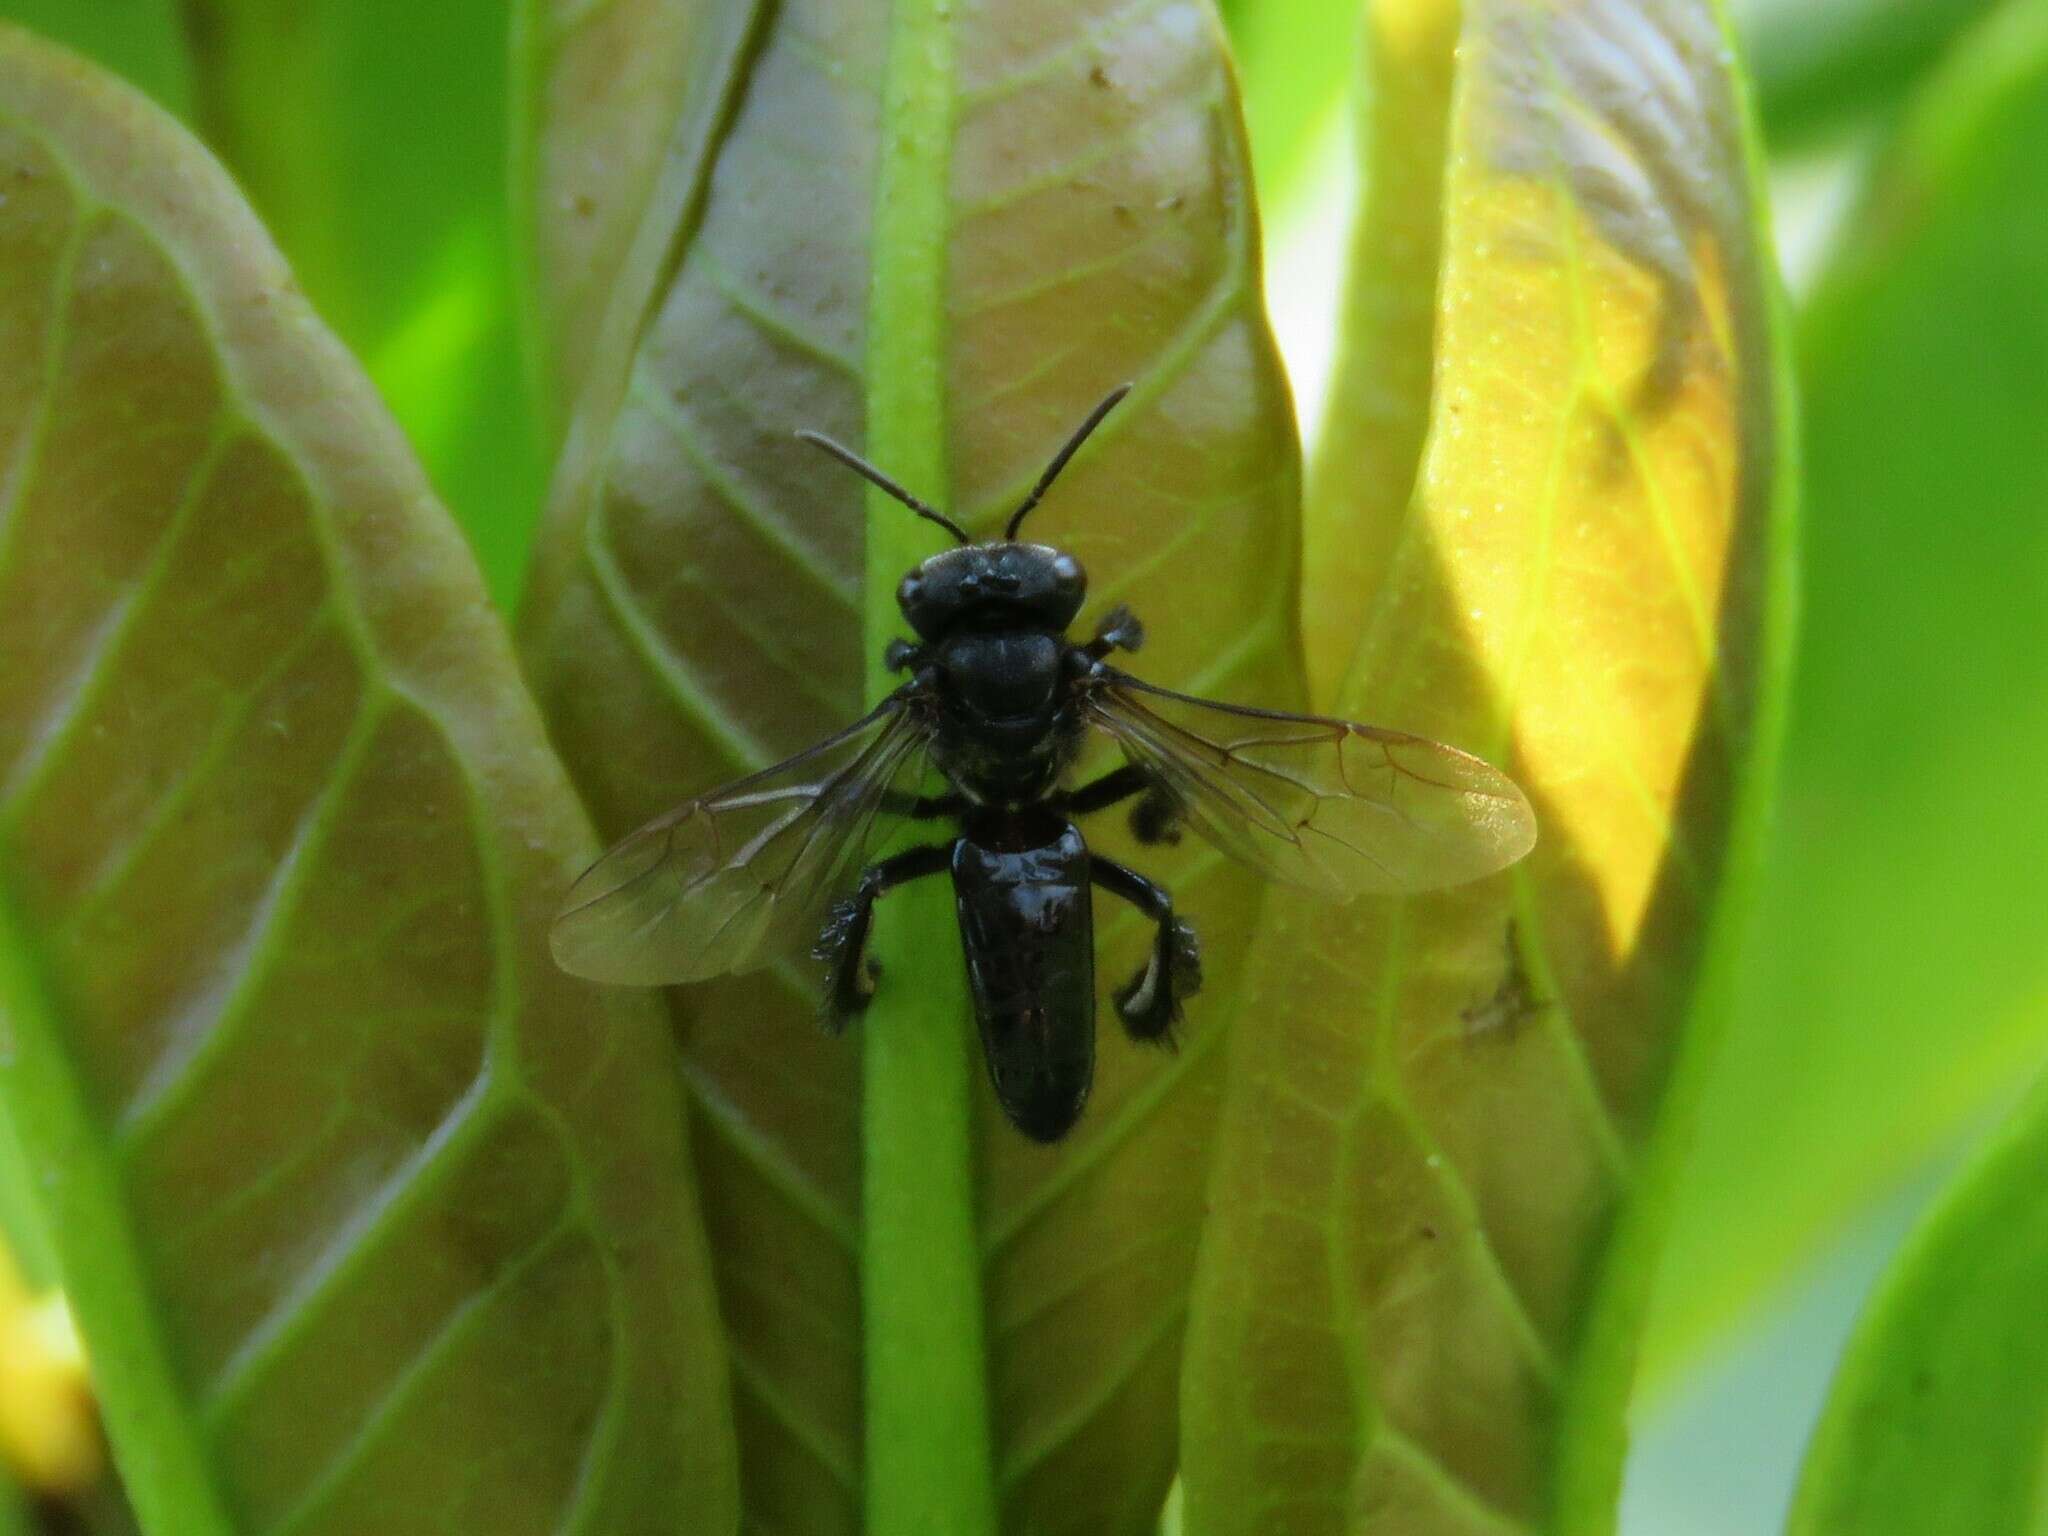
(929, 1468)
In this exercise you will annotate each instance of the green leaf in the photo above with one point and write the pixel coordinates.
(1882, 1010)
(942, 232)
(1938, 1417)
(1294, 62)
(1380, 404)
(370, 134)
(373, 1220)
(143, 41)
(1453, 1122)
(23, 1229)
(1820, 63)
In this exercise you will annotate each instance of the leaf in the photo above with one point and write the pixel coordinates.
(1881, 1013)
(370, 134)
(1937, 1416)
(1380, 398)
(1820, 65)
(143, 41)
(1452, 1121)
(373, 1221)
(1295, 61)
(618, 106)
(1074, 177)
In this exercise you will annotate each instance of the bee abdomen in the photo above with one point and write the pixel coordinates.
(1027, 930)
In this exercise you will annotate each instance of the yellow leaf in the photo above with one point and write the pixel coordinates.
(1451, 1120)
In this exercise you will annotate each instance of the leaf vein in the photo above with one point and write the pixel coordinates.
(676, 421)
(354, 1239)
(192, 1046)
(682, 686)
(768, 1160)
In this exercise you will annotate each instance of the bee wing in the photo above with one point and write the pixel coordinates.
(1331, 805)
(745, 875)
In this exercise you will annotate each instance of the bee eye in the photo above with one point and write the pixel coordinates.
(908, 592)
(1067, 572)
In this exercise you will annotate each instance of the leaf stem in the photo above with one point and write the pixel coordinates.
(929, 1466)
(165, 1463)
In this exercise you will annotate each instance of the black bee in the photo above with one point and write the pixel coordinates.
(1000, 702)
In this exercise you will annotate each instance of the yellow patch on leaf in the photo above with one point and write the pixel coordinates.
(1443, 1136)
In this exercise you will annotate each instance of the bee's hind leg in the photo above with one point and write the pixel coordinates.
(1156, 816)
(1149, 1003)
(843, 946)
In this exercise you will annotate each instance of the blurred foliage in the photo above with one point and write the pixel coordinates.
(1938, 1421)
(141, 40)
(1897, 983)
(1820, 63)
(371, 136)
(1296, 62)
(49, 1428)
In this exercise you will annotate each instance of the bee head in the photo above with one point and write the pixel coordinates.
(1003, 585)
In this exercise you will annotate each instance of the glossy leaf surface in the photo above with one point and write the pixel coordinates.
(703, 606)
(370, 135)
(1452, 1120)
(1938, 1417)
(373, 1220)
(1898, 984)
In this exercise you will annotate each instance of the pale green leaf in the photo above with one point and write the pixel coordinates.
(373, 1220)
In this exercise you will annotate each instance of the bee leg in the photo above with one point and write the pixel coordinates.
(843, 946)
(1149, 1003)
(1118, 785)
(1118, 631)
(1154, 819)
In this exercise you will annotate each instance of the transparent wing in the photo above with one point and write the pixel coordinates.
(1337, 807)
(747, 874)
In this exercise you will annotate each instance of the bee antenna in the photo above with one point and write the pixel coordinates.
(1059, 460)
(867, 471)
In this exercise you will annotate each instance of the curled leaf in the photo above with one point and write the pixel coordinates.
(372, 1219)
(1452, 1118)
